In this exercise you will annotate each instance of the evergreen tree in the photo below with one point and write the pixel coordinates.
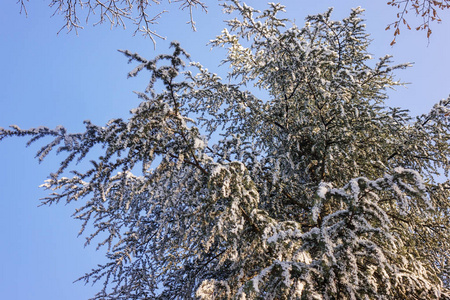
(316, 190)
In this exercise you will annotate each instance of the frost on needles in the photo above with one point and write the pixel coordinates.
(317, 191)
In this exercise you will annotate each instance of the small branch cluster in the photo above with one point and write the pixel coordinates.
(427, 10)
(116, 13)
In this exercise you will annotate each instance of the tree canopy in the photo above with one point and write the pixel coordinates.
(315, 190)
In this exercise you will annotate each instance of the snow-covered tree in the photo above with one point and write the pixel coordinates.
(315, 190)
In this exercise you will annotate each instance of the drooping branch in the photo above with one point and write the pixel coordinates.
(142, 13)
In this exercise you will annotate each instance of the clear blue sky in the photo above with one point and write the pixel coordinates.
(49, 79)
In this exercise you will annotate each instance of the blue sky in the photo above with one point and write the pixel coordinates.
(49, 79)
